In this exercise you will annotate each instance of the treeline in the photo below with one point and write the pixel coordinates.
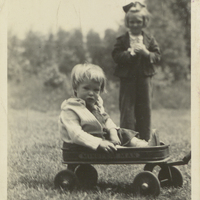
(51, 56)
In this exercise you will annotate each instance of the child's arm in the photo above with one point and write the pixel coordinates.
(141, 49)
(110, 125)
(152, 53)
(71, 129)
(120, 54)
(107, 146)
(112, 128)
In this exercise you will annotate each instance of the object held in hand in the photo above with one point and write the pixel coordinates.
(131, 50)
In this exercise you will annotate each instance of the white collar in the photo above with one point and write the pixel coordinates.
(134, 36)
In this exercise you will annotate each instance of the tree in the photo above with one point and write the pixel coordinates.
(108, 45)
(33, 46)
(70, 50)
(95, 47)
(169, 32)
(49, 50)
(182, 9)
(16, 63)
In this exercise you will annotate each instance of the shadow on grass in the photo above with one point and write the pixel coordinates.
(37, 183)
(100, 187)
(106, 187)
(114, 187)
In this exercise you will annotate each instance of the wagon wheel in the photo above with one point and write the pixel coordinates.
(146, 183)
(149, 167)
(66, 180)
(87, 175)
(170, 176)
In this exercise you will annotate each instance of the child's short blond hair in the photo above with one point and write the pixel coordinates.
(143, 12)
(87, 71)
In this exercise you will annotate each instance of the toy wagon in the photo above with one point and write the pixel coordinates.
(144, 183)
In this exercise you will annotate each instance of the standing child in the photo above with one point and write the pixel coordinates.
(136, 53)
(83, 119)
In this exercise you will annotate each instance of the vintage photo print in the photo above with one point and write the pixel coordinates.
(146, 85)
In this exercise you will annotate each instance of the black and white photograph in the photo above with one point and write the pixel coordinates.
(101, 99)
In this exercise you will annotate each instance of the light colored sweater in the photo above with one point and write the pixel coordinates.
(78, 125)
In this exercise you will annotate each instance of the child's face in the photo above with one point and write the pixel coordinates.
(135, 24)
(89, 91)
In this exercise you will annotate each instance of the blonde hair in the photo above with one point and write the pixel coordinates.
(87, 71)
(142, 12)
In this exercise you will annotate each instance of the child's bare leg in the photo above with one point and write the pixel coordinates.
(135, 142)
(153, 141)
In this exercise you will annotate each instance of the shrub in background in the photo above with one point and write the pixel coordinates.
(173, 96)
(31, 93)
(36, 63)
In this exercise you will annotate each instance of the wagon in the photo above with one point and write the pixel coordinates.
(144, 183)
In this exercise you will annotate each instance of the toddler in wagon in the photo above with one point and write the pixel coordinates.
(83, 120)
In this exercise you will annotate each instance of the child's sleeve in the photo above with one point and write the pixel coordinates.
(154, 51)
(120, 54)
(110, 124)
(71, 129)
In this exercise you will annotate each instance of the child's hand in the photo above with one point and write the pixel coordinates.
(114, 137)
(107, 146)
(131, 51)
(141, 49)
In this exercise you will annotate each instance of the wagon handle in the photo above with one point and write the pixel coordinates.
(187, 158)
(184, 161)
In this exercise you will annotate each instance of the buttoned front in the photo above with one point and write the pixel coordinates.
(78, 125)
(128, 65)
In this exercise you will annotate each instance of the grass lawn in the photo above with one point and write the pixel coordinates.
(34, 158)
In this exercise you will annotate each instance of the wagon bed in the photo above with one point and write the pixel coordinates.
(123, 155)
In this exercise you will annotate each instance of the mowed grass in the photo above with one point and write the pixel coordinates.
(34, 158)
